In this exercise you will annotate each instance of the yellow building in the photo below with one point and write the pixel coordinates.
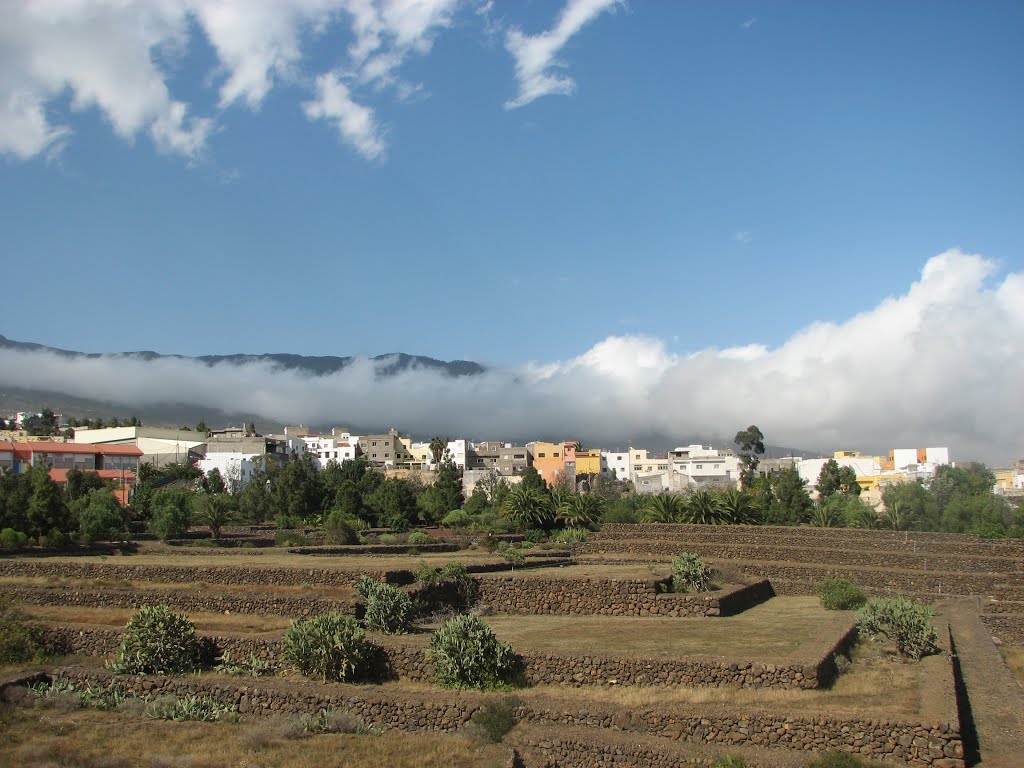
(588, 463)
(549, 461)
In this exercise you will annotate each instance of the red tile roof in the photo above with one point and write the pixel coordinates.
(61, 475)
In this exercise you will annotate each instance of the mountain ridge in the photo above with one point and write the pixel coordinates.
(388, 364)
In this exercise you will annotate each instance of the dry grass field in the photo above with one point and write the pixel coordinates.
(116, 618)
(54, 735)
(1013, 655)
(770, 631)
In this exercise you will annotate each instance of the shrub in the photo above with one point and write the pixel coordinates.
(340, 529)
(387, 538)
(388, 608)
(840, 595)
(513, 557)
(288, 521)
(418, 538)
(729, 761)
(254, 666)
(10, 538)
(169, 521)
(102, 518)
(497, 718)
(158, 640)
(570, 535)
(55, 539)
(330, 645)
(289, 539)
(905, 622)
(198, 708)
(333, 721)
(20, 641)
(467, 654)
(456, 519)
(689, 573)
(535, 535)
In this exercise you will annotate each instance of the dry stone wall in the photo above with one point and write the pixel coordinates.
(401, 659)
(608, 597)
(190, 601)
(936, 744)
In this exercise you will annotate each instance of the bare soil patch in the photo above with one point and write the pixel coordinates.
(1013, 655)
(206, 623)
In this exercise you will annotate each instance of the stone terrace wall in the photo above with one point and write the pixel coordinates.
(191, 601)
(936, 744)
(400, 659)
(210, 574)
(608, 597)
(853, 538)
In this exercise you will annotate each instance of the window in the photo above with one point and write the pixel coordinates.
(699, 466)
(375, 443)
(541, 455)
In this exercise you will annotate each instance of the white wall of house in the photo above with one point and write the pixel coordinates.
(810, 469)
(235, 468)
(458, 450)
(617, 463)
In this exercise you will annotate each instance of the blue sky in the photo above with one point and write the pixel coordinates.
(504, 182)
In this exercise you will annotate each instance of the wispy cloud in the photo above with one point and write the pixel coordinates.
(743, 236)
(355, 123)
(749, 22)
(538, 69)
(939, 364)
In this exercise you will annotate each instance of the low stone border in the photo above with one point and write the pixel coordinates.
(608, 597)
(920, 745)
(405, 660)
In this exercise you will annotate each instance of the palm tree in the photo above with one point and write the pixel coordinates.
(864, 516)
(823, 516)
(897, 519)
(214, 511)
(581, 511)
(702, 507)
(738, 506)
(437, 448)
(664, 508)
(528, 508)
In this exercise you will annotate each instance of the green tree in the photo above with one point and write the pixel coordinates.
(394, 503)
(169, 521)
(738, 507)
(214, 482)
(528, 508)
(910, 501)
(702, 507)
(214, 511)
(829, 480)
(298, 490)
(751, 444)
(46, 508)
(792, 504)
(79, 483)
(664, 508)
(848, 485)
(101, 517)
(445, 494)
(437, 449)
(532, 479)
(583, 510)
(202, 428)
(255, 500)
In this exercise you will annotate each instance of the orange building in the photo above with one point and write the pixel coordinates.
(117, 463)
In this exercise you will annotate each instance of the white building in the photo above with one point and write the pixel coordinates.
(159, 447)
(615, 465)
(324, 449)
(919, 459)
(863, 466)
(704, 465)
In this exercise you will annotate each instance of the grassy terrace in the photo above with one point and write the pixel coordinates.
(771, 631)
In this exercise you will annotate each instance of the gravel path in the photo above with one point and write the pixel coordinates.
(996, 700)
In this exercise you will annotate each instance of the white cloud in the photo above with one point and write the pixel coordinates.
(101, 54)
(355, 123)
(118, 55)
(940, 364)
(743, 236)
(749, 22)
(537, 66)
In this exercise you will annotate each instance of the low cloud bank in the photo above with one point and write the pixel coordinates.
(941, 364)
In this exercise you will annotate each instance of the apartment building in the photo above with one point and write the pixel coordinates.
(506, 459)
